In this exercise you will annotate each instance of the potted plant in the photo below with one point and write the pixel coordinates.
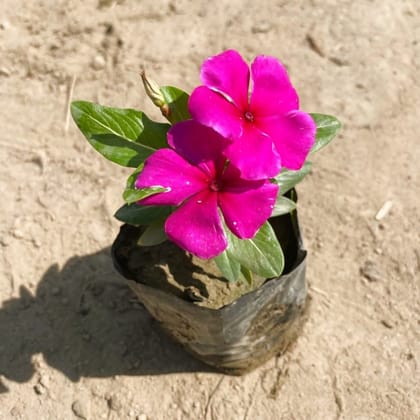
(211, 242)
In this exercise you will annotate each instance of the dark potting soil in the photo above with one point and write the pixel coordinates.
(169, 268)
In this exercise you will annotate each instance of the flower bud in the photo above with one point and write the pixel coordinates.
(153, 91)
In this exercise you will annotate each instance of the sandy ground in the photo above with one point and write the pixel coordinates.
(73, 340)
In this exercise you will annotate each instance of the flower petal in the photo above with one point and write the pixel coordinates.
(196, 226)
(167, 169)
(198, 144)
(246, 205)
(213, 110)
(272, 91)
(293, 135)
(254, 155)
(228, 74)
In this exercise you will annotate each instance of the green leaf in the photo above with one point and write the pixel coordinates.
(133, 214)
(327, 127)
(283, 206)
(124, 136)
(177, 101)
(249, 278)
(261, 254)
(119, 150)
(229, 267)
(131, 180)
(132, 195)
(129, 194)
(287, 179)
(153, 234)
(153, 134)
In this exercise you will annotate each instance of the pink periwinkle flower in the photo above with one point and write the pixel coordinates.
(267, 128)
(205, 186)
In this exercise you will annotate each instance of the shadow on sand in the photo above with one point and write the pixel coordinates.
(86, 323)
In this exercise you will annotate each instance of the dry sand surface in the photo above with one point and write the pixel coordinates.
(73, 341)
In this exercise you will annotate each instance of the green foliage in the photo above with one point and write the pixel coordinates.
(133, 195)
(283, 206)
(230, 268)
(248, 276)
(128, 137)
(327, 127)
(287, 179)
(124, 136)
(136, 215)
(177, 103)
(130, 193)
(154, 234)
(261, 255)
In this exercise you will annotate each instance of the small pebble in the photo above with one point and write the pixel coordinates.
(315, 45)
(5, 241)
(15, 412)
(37, 243)
(339, 61)
(45, 381)
(4, 25)
(261, 28)
(193, 294)
(371, 271)
(114, 403)
(39, 389)
(4, 71)
(98, 62)
(18, 234)
(80, 409)
(55, 291)
(386, 324)
(384, 210)
(141, 417)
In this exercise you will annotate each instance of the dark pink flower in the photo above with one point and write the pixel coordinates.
(267, 128)
(204, 185)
